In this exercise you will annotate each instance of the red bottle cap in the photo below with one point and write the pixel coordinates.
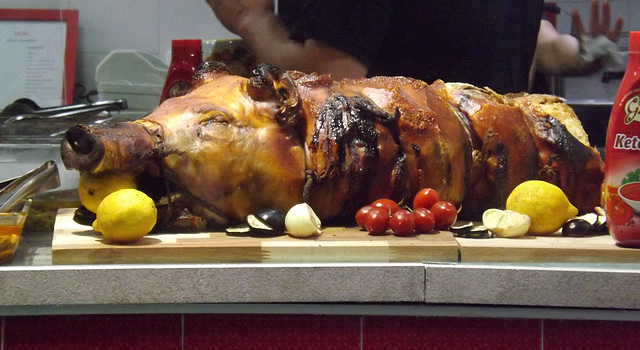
(187, 48)
(188, 44)
(634, 41)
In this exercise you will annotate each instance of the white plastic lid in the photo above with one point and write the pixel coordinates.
(131, 67)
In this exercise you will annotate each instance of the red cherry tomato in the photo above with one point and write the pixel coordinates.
(426, 198)
(362, 214)
(424, 220)
(387, 204)
(402, 223)
(445, 214)
(377, 221)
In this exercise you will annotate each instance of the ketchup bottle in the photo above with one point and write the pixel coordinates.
(622, 155)
(186, 57)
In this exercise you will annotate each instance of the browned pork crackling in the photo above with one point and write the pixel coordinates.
(234, 145)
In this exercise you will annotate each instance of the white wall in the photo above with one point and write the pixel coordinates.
(149, 25)
(144, 25)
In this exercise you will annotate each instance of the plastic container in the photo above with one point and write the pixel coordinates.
(142, 97)
(622, 155)
(135, 76)
(186, 57)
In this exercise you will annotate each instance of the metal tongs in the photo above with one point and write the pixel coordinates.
(26, 108)
(14, 192)
(23, 120)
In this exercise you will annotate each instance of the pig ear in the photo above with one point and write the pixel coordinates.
(271, 84)
(208, 71)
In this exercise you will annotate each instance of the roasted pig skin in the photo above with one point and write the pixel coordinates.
(234, 145)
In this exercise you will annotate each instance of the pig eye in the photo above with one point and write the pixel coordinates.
(217, 117)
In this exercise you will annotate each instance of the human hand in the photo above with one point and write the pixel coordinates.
(597, 26)
(234, 13)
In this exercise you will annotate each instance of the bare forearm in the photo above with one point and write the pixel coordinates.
(269, 39)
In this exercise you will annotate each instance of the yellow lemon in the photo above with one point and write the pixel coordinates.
(545, 204)
(93, 188)
(125, 216)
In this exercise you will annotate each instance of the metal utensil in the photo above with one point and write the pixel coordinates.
(27, 107)
(33, 124)
(43, 178)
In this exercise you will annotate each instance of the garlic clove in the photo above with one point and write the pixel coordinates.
(302, 221)
(506, 223)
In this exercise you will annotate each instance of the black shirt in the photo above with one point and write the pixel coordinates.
(481, 42)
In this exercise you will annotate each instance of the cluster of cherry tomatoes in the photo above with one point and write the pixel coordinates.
(429, 212)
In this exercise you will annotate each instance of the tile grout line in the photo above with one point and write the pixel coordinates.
(181, 331)
(361, 333)
(542, 334)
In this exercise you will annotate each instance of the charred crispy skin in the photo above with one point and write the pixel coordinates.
(505, 153)
(235, 145)
(564, 155)
(381, 138)
(525, 136)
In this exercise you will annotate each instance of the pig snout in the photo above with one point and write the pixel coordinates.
(121, 147)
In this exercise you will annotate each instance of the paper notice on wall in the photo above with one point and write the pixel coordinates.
(32, 61)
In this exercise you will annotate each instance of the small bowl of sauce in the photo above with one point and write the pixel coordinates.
(11, 224)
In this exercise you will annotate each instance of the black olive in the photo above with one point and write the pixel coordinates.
(83, 216)
(274, 218)
(262, 223)
(469, 230)
(600, 229)
(260, 228)
(576, 228)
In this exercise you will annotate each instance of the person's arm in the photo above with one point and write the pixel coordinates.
(269, 40)
(559, 54)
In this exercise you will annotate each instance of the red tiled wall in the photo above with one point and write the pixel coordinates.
(266, 332)
(310, 332)
(435, 333)
(104, 332)
(581, 334)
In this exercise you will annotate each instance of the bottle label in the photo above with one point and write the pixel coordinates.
(631, 106)
(622, 170)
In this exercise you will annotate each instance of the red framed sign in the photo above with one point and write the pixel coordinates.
(38, 55)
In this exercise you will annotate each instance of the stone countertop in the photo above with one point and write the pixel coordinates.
(31, 284)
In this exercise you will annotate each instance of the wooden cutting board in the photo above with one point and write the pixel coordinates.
(78, 244)
(554, 248)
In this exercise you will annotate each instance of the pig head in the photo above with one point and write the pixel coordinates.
(230, 146)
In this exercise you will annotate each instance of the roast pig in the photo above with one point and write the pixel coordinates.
(234, 145)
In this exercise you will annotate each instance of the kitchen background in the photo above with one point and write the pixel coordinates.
(148, 26)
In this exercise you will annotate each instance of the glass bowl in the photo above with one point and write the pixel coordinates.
(11, 224)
